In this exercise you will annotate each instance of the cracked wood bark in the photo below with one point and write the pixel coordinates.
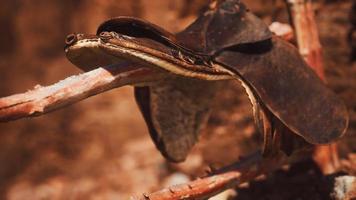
(307, 37)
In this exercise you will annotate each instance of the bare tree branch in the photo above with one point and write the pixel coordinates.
(42, 100)
(243, 171)
(306, 33)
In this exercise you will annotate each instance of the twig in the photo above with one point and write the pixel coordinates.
(306, 33)
(42, 100)
(243, 171)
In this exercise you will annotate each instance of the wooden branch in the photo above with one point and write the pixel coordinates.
(231, 176)
(306, 33)
(42, 100)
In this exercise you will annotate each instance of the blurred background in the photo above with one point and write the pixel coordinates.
(100, 148)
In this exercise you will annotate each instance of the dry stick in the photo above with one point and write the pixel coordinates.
(306, 33)
(242, 171)
(42, 100)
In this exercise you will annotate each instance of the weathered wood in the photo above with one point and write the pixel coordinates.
(41, 100)
(306, 33)
(231, 176)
